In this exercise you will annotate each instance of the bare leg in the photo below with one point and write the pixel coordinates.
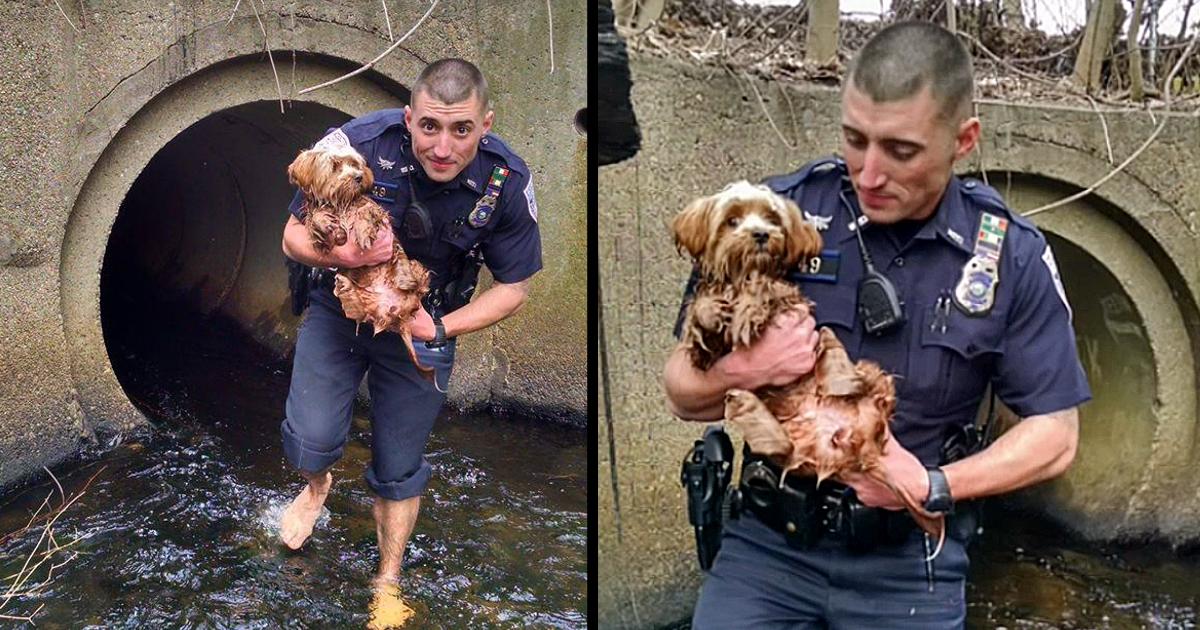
(297, 522)
(394, 521)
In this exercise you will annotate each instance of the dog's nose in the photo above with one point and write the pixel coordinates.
(761, 237)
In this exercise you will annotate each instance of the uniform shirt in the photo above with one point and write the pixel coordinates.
(942, 358)
(509, 241)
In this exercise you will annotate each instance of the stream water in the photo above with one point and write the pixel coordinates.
(178, 529)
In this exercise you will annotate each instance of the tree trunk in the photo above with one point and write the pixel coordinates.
(821, 45)
(1096, 40)
(951, 17)
(1014, 16)
(1136, 91)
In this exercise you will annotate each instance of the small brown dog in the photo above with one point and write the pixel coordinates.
(744, 241)
(335, 181)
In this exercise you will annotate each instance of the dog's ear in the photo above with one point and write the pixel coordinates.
(803, 240)
(368, 176)
(691, 225)
(302, 169)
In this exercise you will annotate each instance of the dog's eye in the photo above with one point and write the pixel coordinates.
(733, 221)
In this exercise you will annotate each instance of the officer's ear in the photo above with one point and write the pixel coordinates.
(966, 137)
(487, 121)
(803, 240)
(691, 225)
(408, 118)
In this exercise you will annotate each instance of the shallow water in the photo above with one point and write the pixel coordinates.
(178, 529)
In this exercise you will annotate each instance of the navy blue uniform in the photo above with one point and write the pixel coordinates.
(333, 353)
(943, 358)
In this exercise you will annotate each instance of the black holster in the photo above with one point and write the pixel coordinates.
(706, 473)
(299, 281)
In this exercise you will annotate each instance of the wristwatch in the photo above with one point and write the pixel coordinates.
(939, 501)
(439, 335)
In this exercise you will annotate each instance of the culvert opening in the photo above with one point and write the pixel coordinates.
(581, 122)
(193, 288)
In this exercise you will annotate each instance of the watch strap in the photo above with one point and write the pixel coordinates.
(940, 500)
(439, 334)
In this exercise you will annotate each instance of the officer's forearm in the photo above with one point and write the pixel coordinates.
(493, 305)
(1036, 449)
(693, 394)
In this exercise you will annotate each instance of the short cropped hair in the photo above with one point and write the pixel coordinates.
(452, 80)
(905, 57)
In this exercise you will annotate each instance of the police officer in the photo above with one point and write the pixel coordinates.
(979, 301)
(457, 196)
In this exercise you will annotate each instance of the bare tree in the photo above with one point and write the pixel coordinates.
(1136, 90)
(821, 45)
(1097, 39)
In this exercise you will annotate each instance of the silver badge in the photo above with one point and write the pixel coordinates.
(976, 290)
(386, 164)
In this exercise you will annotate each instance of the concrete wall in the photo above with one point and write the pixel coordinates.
(1129, 261)
(82, 114)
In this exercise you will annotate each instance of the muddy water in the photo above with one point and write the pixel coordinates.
(178, 530)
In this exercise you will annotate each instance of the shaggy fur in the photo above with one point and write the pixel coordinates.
(744, 241)
(336, 208)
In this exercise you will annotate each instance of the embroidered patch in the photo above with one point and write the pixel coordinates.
(529, 200)
(335, 141)
(821, 223)
(386, 164)
(1048, 258)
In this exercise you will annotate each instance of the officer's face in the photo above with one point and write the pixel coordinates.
(446, 136)
(900, 153)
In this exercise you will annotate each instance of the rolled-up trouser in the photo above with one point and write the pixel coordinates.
(332, 354)
(758, 581)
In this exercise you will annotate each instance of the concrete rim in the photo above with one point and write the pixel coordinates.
(117, 166)
(1100, 227)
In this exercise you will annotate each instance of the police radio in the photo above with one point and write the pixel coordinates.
(879, 304)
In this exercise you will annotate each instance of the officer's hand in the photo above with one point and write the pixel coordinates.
(421, 325)
(897, 464)
(786, 351)
(349, 256)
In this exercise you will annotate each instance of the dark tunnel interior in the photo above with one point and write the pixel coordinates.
(193, 288)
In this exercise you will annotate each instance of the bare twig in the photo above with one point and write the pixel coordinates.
(550, 16)
(763, 104)
(371, 64)
(64, 14)
(270, 57)
(387, 19)
(1104, 125)
(59, 485)
(232, 15)
(1157, 130)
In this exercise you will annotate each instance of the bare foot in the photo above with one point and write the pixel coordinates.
(297, 522)
(388, 609)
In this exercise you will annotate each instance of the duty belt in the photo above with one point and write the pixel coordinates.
(804, 513)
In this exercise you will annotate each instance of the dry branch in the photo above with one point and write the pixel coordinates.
(371, 64)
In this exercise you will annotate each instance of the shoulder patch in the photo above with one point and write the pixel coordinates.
(1048, 258)
(335, 141)
(529, 200)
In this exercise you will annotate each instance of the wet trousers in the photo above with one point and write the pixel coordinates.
(758, 581)
(332, 355)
